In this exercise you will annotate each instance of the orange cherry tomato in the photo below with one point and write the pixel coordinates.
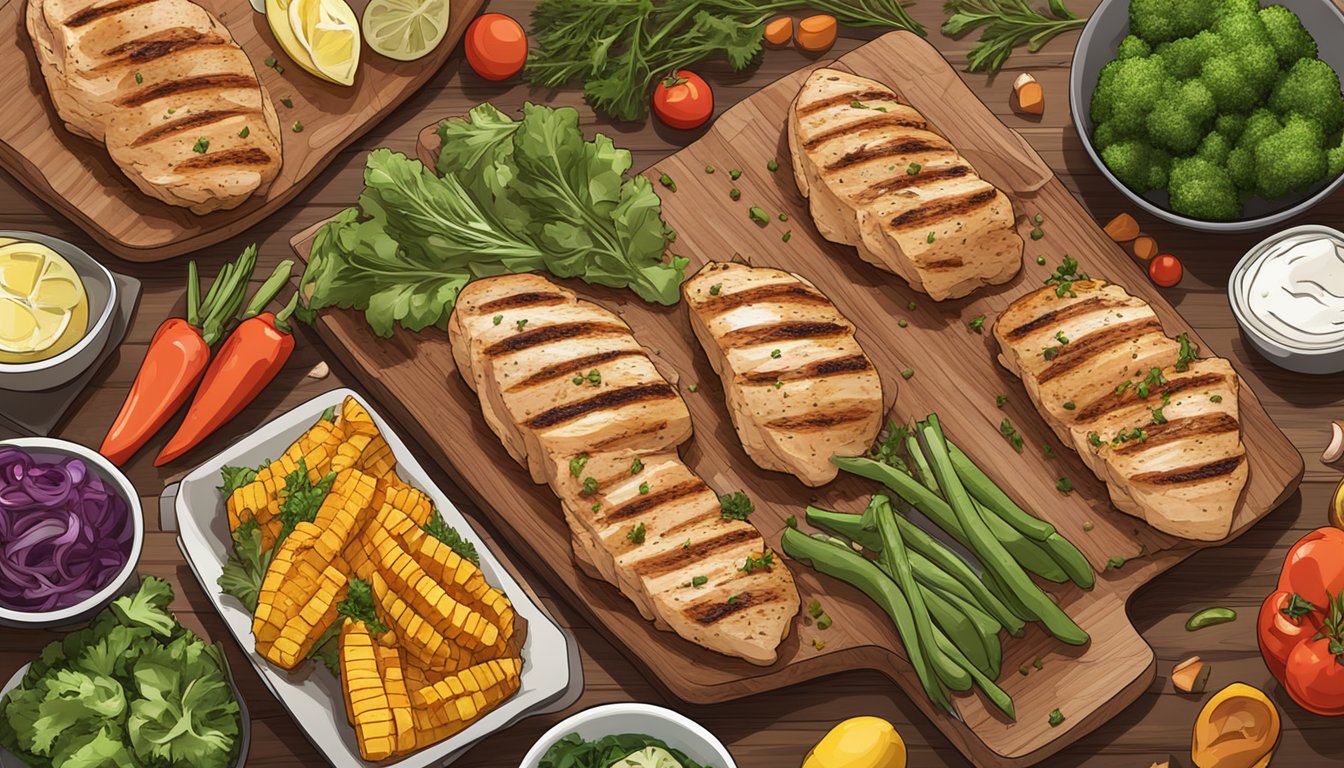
(683, 100)
(496, 46)
(1165, 270)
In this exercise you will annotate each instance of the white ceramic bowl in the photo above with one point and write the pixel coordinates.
(102, 292)
(84, 609)
(1109, 24)
(675, 729)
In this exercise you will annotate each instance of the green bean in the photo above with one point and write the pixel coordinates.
(1209, 617)
(984, 629)
(992, 498)
(895, 559)
(990, 551)
(937, 510)
(843, 563)
(929, 574)
(997, 695)
(1015, 605)
(959, 628)
(850, 526)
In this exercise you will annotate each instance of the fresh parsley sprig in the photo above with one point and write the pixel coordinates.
(1005, 25)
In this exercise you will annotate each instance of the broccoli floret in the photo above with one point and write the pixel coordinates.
(1291, 159)
(1241, 161)
(1290, 39)
(1215, 148)
(1223, 8)
(1223, 77)
(1310, 89)
(1238, 30)
(1203, 190)
(1241, 168)
(1183, 58)
(1105, 135)
(1133, 48)
(1261, 124)
(1137, 164)
(1244, 38)
(1334, 161)
(1160, 21)
(1180, 118)
(1230, 125)
(1126, 92)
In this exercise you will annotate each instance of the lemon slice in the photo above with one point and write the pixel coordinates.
(405, 30)
(43, 307)
(329, 32)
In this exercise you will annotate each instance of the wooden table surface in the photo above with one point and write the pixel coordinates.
(773, 730)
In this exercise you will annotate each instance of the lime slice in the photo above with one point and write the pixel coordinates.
(648, 757)
(43, 307)
(405, 30)
(329, 32)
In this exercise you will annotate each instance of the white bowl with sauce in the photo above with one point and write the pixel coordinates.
(101, 292)
(1288, 296)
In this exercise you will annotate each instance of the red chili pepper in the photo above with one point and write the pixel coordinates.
(177, 358)
(251, 358)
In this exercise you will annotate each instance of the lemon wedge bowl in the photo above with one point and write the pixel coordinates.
(405, 30)
(321, 36)
(44, 309)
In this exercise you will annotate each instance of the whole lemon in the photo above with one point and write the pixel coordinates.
(859, 742)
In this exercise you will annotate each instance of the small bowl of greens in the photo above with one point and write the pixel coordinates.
(1218, 115)
(71, 532)
(133, 687)
(628, 736)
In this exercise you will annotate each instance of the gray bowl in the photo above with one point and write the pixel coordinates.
(1097, 46)
(65, 367)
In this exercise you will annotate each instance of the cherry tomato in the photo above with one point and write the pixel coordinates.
(496, 46)
(1165, 270)
(683, 100)
(1315, 677)
(1285, 621)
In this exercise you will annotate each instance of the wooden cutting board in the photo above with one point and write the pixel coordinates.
(955, 374)
(76, 176)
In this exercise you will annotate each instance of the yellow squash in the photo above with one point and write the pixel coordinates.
(1238, 728)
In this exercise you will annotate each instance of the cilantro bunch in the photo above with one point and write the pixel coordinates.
(134, 688)
(619, 48)
(510, 196)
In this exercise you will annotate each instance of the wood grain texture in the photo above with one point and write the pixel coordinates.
(77, 176)
(771, 730)
(956, 375)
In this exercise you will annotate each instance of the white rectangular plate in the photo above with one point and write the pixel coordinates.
(312, 696)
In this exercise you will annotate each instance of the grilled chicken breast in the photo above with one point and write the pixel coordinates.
(799, 387)
(163, 84)
(879, 178)
(573, 396)
(1158, 427)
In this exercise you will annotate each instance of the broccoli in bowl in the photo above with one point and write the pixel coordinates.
(1217, 102)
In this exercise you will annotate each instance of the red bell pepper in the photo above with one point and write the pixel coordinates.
(1301, 625)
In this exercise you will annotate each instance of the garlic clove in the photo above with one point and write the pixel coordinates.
(1335, 450)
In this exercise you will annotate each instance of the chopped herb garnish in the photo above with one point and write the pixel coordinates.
(1023, 670)
(1010, 434)
(825, 622)
(244, 133)
(1064, 276)
(1158, 416)
(577, 464)
(736, 506)
(775, 353)
(201, 146)
(759, 215)
(787, 236)
(643, 489)
(1215, 398)
(732, 600)
(783, 217)
(1038, 218)
(270, 61)
(589, 486)
(818, 644)
(1153, 379)
(667, 181)
(1136, 434)
(778, 383)
(298, 127)
(1056, 717)
(1189, 353)
(929, 238)
(1061, 338)
(902, 322)
(577, 380)
(913, 169)
(908, 374)
(596, 506)
(288, 102)
(699, 581)
(594, 377)
(521, 324)
(1069, 405)
(1048, 450)
(693, 387)
(1000, 401)
(280, 69)
(709, 169)
(735, 174)
(636, 466)
(497, 319)
(1039, 663)
(1040, 260)
(139, 78)
(1037, 234)
(977, 325)
(911, 306)
(1126, 384)
(715, 288)
(636, 534)
(772, 166)
(1094, 439)
(1064, 485)
(762, 563)
(791, 522)
(686, 544)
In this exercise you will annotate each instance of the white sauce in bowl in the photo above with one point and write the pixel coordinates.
(1290, 290)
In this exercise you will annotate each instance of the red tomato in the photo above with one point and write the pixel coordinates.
(1285, 621)
(683, 100)
(1165, 270)
(496, 46)
(1314, 567)
(1315, 677)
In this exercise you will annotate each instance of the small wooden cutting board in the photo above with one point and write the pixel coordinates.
(78, 178)
(955, 374)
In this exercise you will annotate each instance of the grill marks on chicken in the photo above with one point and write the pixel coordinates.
(164, 86)
(798, 385)
(1104, 375)
(575, 398)
(877, 177)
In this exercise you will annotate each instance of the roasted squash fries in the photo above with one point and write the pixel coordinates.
(357, 557)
